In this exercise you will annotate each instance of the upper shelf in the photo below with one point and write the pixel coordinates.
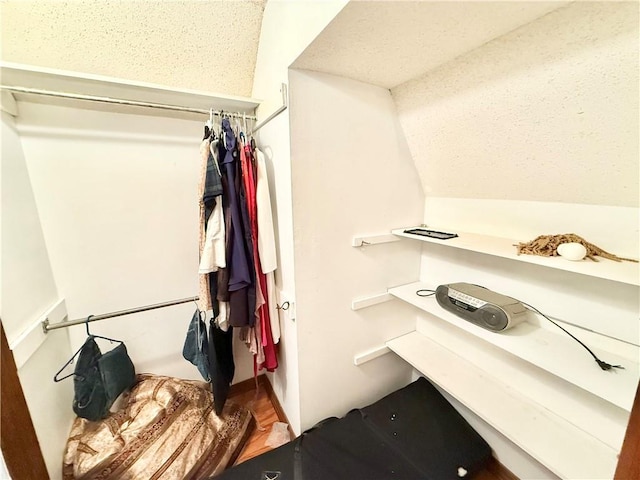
(624, 272)
(28, 76)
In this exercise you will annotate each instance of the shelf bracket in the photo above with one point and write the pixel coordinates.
(364, 302)
(373, 240)
(370, 355)
(8, 103)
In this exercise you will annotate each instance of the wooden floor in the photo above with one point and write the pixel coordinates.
(265, 414)
(265, 408)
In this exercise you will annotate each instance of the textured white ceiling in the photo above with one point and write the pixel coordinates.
(202, 45)
(387, 43)
(548, 112)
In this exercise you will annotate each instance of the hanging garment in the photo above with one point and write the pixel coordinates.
(251, 336)
(272, 306)
(249, 217)
(212, 254)
(239, 271)
(264, 335)
(221, 364)
(222, 320)
(212, 251)
(241, 283)
(223, 273)
(243, 202)
(213, 184)
(204, 297)
(266, 234)
(266, 241)
(196, 344)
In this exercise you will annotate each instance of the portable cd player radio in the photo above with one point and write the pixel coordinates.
(481, 306)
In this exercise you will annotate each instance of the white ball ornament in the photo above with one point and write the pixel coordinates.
(572, 251)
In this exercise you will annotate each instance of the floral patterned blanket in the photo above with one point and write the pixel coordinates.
(166, 430)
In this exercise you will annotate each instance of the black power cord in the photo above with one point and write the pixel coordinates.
(420, 294)
(601, 363)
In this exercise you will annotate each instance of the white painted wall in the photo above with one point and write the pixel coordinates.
(28, 290)
(117, 196)
(26, 270)
(351, 176)
(287, 28)
(548, 112)
(535, 133)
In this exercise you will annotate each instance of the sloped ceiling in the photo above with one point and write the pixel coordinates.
(387, 43)
(201, 45)
(212, 44)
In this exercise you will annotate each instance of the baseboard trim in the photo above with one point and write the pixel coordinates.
(282, 417)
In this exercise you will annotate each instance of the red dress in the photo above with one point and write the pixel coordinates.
(262, 309)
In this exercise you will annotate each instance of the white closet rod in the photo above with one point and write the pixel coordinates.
(120, 101)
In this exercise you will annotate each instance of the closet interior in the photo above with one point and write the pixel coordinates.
(81, 114)
(495, 121)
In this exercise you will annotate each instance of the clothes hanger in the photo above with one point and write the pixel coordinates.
(239, 131)
(236, 127)
(89, 334)
(254, 145)
(253, 141)
(222, 133)
(215, 132)
(244, 122)
(208, 126)
(71, 360)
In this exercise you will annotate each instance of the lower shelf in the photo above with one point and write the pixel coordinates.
(547, 348)
(572, 433)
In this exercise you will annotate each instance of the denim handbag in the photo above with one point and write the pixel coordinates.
(100, 378)
(196, 345)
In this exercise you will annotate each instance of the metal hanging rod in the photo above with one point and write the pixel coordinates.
(120, 101)
(94, 318)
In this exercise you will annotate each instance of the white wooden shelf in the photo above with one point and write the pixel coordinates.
(28, 76)
(624, 272)
(550, 350)
(530, 417)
